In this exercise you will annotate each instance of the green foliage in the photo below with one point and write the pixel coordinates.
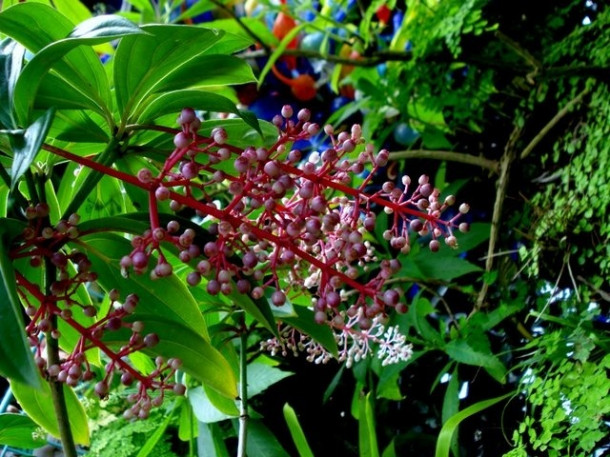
(567, 399)
(122, 438)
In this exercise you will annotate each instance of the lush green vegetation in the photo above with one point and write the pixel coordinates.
(199, 288)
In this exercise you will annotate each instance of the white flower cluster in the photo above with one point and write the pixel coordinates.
(354, 344)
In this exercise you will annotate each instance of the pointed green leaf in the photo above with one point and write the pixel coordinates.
(11, 58)
(143, 62)
(96, 30)
(26, 145)
(461, 351)
(17, 430)
(367, 436)
(16, 360)
(39, 26)
(443, 444)
(38, 404)
(300, 441)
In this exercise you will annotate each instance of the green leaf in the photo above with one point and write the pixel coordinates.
(461, 351)
(143, 63)
(17, 430)
(187, 423)
(262, 376)
(199, 358)
(92, 93)
(26, 145)
(38, 404)
(197, 99)
(443, 445)
(169, 299)
(305, 323)
(210, 442)
(298, 437)
(152, 441)
(16, 360)
(261, 442)
(11, 60)
(451, 405)
(203, 408)
(367, 437)
(76, 126)
(74, 10)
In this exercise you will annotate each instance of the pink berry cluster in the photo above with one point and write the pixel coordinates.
(41, 242)
(291, 223)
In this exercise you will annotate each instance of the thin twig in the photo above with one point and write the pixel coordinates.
(547, 128)
(451, 156)
(509, 155)
(243, 393)
(365, 61)
(241, 23)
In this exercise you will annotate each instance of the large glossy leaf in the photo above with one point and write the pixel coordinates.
(77, 126)
(36, 25)
(169, 299)
(11, 58)
(209, 70)
(19, 431)
(143, 62)
(16, 361)
(93, 93)
(26, 145)
(199, 358)
(38, 404)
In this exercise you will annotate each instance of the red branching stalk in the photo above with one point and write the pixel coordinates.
(61, 302)
(296, 224)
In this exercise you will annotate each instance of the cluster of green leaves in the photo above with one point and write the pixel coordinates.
(567, 395)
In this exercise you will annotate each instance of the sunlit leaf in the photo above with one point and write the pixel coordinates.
(38, 404)
(17, 430)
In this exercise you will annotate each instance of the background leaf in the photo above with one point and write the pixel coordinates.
(16, 360)
(18, 430)
(27, 145)
(443, 445)
(38, 404)
(300, 441)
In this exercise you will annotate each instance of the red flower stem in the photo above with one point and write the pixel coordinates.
(154, 211)
(84, 332)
